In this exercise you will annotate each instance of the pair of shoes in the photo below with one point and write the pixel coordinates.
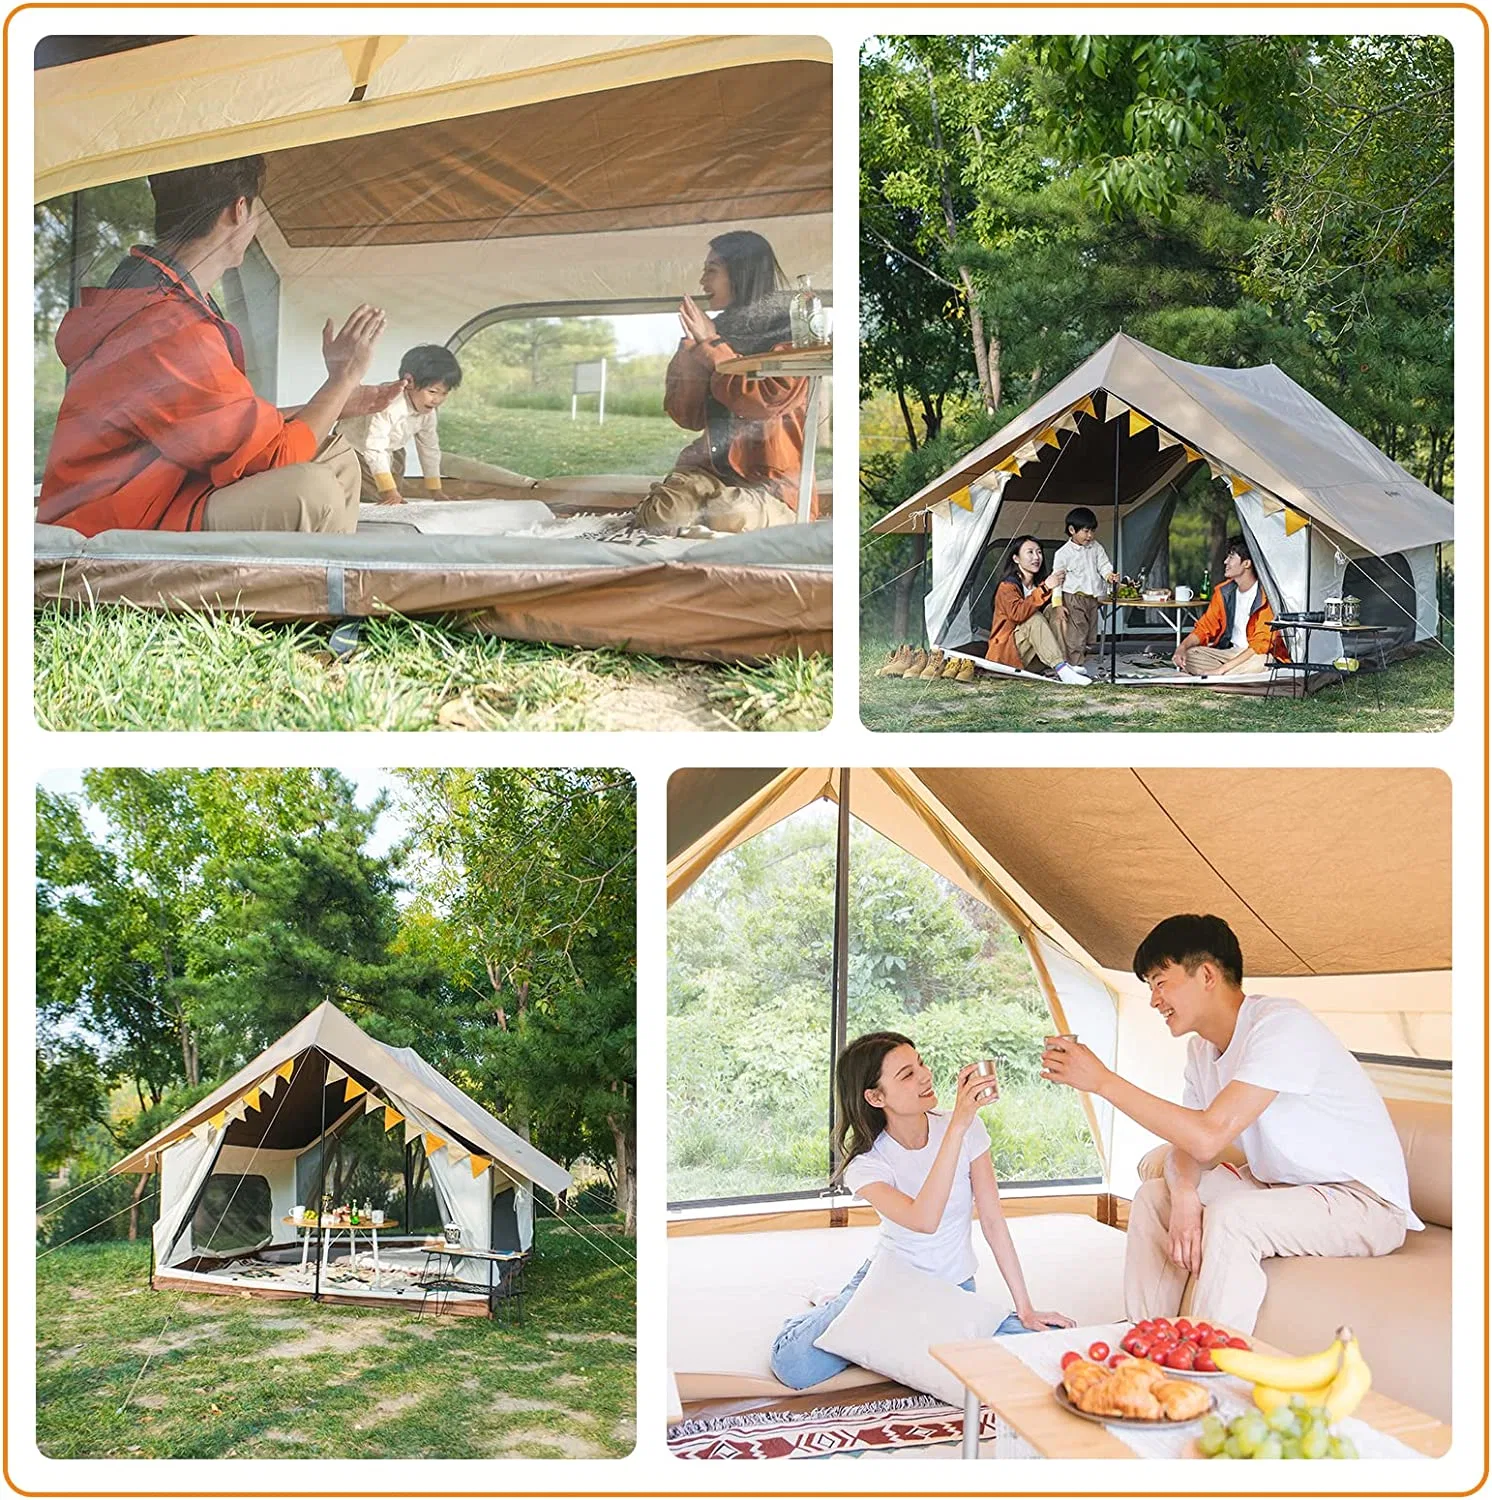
(915, 663)
(897, 663)
(960, 669)
(1072, 676)
(933, 668)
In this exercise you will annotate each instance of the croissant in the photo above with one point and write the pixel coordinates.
(1080, 1376)
(1181, 1399)
(1138, 1389)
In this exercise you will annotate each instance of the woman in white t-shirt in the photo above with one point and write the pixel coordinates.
(926, 1172)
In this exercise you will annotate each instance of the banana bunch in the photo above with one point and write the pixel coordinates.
(1336, 1378)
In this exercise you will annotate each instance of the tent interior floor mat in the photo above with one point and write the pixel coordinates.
(399, 1284)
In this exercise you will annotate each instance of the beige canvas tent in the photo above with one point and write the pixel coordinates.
(1296, 861)
(270, 1139)
(1327, 513)
(459, 181)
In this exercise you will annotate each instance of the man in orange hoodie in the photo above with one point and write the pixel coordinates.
(1233, 634)
(159, 428)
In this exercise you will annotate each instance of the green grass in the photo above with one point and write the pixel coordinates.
(243, 1377)
(1417, 695)
(109, 667)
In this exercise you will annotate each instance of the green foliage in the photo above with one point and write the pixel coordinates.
(749, 1039)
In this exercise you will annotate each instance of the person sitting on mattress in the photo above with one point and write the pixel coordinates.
(1020, 634)
(927, 1173)
(160, 429)
(428, 373)
(1324, 1170)
(1233, 635)
(741, 473)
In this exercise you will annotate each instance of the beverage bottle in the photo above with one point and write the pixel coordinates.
(1205, 592)
(804, 311)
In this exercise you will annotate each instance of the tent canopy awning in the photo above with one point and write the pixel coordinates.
(1295, 861)
(201, 99)
(1257, 424)
(400, 1070)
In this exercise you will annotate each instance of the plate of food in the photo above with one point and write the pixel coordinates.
(1156, 596)
(1133, 1393)
(1179, 1345)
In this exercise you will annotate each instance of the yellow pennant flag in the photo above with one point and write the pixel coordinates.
(1294, 521)
(217, 1121)
(479, 1164)
(433, 1143)
(1191, 453)
(252, 1098)
(286, 1068)
(351, 1090)
(1049, 438)
(962, 498)
(1137, 423)
(1238, 485)
(1009, 465)
(1086, 406)
(391, 1117)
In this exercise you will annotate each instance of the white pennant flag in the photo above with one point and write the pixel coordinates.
(270, 1084)
(372, 1104)
(333, 1072)
(203, 1130)
(1068, 423)
(237, 1110)
(412, 1131)
(1167, 439)
(1113, 407)
(456, 1151)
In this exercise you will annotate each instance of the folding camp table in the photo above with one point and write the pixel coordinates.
(330, 1229)
(504, 1273)
(814, 362)
(1372, 636)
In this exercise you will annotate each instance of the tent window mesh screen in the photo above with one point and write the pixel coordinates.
(1385, 587)
(750, 1040)
(233, 1214)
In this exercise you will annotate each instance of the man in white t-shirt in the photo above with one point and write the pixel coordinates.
(1233, 634)
(1325, 1170)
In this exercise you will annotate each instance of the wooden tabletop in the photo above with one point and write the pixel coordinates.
(469, 1252)
(813, 359)
(673, 1404)
(1158, 603)
(338, 1223)
(1007, 1386)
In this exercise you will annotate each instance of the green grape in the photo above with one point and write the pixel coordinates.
(1343, 1447)
(1315, 1442)
(1283, 1420)
(1214, 1435)
(1271, 1447)
(1298, 1401)
(1290, 1448)
(1234, 1449)
(1222, 1453)
(1252, 1427)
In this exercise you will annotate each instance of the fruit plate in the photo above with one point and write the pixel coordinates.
(1067, 1404)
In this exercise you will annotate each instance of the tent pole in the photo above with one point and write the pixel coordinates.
(1440, 591)
(1118, 560)
(838, 1018)
(326, 1067)
(409, 1187)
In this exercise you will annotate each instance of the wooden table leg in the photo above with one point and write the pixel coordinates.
(810, 447)
(971, 1424)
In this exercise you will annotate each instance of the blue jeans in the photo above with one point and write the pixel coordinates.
(797, 1361)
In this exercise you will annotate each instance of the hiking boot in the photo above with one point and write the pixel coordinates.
(934, 667)
(916, 664)
(897, 662)
(951, 668)
(966, 671)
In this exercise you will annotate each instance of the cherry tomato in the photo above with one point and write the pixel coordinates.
(1068, 1358)
(1236, 1343)
(1145, 1325)
(1098, 1352)
(1201, 1328)
(1115, 1360)
(1140, 1348)
(1183, 1325)
(1182, 1357)
(1203, 1361)
(1217, 1339)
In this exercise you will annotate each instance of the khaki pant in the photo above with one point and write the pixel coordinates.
(317, 496)
(1244, 1221)
(1037, 642)
(1079, 626)
(1208, 661)
(693, 497)
(452, 466)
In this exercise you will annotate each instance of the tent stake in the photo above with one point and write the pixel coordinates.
(838, 1019)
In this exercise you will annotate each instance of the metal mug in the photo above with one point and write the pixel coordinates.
(985, 1068)
(453, 1234)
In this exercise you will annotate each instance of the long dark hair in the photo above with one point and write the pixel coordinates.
(757, 317)
(1013, 568)
(858, 1069)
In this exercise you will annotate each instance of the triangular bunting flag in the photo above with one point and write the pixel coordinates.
(1238, 485)
(1191, 453)
(412, 1131)
(252, 1098)
(1068, 422)
(334, 1073)
(1114, 407)
(1024, 455)
(237, 1110)
(479, 1164)
(1166, 439)
(1215, 468)
(1270, 505)
(391, 1117)
(1294, 521)
(962, 498)
(456, 1151)
(270, 1084)
(433, 1143)
(1086, 406)
(942, 510)
(286, 1069)
(1048, 438)
(1009, 465)
(1138, 423)
(372, 1104)
(205, 1128)
(218, 1120)
(352, 1089)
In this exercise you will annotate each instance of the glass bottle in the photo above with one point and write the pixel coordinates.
(804, 312)
(1205, 592)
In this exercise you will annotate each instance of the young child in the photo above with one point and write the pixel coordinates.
(1086, 584)
(429, 373)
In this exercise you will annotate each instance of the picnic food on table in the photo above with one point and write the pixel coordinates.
(1296, 1430)
(1137, 1389)
(1289, 1372)
(1180, 1344)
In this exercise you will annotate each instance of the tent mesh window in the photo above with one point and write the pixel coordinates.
(1385, 587)
(233, 1214)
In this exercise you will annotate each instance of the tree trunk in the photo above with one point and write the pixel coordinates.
(141, 1183)
(906, 416)
(976, 337)
(626, 1190)
(996, 380)
(901, 618)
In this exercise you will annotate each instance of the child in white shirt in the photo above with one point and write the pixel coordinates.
(1089, 574)
(429, 372)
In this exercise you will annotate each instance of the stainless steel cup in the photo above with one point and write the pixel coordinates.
(985, 1068)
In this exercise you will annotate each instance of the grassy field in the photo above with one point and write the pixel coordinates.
(544, 443)
(115, 667)
(239, 1377)
(1417, 695)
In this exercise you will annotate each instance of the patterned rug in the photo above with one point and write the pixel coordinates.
(828, 1431)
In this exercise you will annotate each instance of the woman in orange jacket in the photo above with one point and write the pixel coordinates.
(741, 473)
(1020, 635)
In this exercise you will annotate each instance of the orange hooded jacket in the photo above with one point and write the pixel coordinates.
(1216, 623)
(158, 412)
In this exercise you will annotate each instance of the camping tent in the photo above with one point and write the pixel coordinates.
(1298, 871)
(234, 1166)
(458, 181)
(1326, 513)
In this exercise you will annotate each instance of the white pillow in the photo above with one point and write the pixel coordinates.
(897, 1314)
